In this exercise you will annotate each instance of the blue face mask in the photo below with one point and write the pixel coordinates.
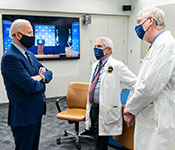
(98, 52)
(140, 31)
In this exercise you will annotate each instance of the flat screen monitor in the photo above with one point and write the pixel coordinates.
(55, 37)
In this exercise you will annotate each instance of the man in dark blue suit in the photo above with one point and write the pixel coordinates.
(24, 78)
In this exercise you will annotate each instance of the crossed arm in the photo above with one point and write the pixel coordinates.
(39, 77)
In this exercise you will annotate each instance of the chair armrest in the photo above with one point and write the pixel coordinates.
(58, 101)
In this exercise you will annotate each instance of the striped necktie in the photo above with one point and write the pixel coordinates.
(91, 92)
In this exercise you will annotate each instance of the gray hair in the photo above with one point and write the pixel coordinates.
(157, 14)
(107, 42)
(17, 26)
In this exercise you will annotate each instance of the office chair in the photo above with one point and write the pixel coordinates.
(127, 137)
(76, 109)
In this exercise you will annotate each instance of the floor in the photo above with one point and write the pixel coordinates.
(52, 128)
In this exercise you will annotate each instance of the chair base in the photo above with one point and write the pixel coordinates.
(72, 135)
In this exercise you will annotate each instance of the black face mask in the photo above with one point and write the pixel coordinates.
(27, 41)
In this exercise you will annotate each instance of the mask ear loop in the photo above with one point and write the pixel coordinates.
(14, 35)
(107, 52)
(155, 22)
(149, 26)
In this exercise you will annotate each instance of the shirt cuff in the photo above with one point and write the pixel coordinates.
(131, 111)
(43, 78)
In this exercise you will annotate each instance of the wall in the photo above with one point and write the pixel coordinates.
(113, 26)
(68, 6)
(134, 44)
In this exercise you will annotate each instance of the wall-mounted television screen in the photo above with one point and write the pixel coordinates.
(55, 37)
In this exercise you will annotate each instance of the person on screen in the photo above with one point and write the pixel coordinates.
(24, 78)
(40, 43)
(153, 100)
(104, 110)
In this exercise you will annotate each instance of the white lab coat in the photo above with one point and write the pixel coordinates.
(153, 101)
(110, 113)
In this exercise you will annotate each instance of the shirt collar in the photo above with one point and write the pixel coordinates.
(19, 48)
(105, 60)
(157, 36)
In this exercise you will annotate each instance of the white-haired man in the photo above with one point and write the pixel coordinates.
(24, 78)
(153, 100)
(104, 113)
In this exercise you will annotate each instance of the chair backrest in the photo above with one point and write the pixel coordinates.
(77, 94)
(127, 137)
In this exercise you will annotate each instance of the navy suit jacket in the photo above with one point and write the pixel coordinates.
(26, 100)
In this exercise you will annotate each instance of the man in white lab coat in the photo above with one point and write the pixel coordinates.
(153, 100)
(104, 114)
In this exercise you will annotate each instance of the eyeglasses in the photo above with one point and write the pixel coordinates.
(138, 22)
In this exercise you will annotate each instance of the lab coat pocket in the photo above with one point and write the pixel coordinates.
(166, 113)
(112, 114)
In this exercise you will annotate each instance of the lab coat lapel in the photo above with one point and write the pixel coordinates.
(106, 68)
